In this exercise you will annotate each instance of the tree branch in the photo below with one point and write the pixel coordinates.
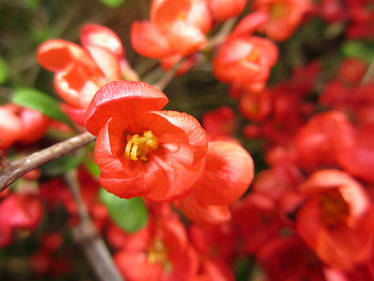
(86, 235)
(17, 168)
(165, 80)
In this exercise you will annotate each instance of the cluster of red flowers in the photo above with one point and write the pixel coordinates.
(308, 216)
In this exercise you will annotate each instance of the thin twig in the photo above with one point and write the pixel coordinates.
(165, 80)
(222, 34)
(86, 235)
(17, 168)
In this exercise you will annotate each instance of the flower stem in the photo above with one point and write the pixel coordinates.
(17, 168)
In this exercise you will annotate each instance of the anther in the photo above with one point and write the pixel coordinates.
(139, 146)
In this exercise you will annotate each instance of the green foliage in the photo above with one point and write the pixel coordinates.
(359, 49)
(113, 3)
(41, 102)
(92, 168)
(129, 214)
(61, 165)
(3, 71)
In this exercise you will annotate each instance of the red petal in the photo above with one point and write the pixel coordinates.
(101, 36)
(108, 62)
(122, 99)
(56, 55)
(183, 146)
(75, 85)
(249, 24)
(229, 171)
(204, 214)
(185, 39)
(148, 41)
(134, 266)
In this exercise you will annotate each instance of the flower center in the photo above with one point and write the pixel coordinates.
(253, 56)
(139, 146)
(157, 253)
(334, 209)
(278, 11)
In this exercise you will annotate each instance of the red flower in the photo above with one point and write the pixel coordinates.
(219, 123)
(176, 27)
(225, 9)
(246, 59)
(163, 253)
(80, 72)
(22, 211)
(284, 16)
(336, 221)
(290, 259)
(229, 171)
(23, 125)
(140, 150)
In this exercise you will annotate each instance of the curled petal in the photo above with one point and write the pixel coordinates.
(101, 36)
(122, 100)
(148, 41)
(75, 86)
(106, 61)
(165, 12)
(229, 171)
(204, 214)
(185, 39)
(56, 55)
(225, 9)
(182, 154)
(10, 128)
(249, 24)
(135, 266)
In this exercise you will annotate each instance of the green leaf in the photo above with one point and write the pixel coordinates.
(3, 71)
(60, 165)
(112, 3)
(92, 168)
(32, 5)
(359, 49)
(41, 102)
(129, 214)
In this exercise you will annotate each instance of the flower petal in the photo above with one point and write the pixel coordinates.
(122, 99)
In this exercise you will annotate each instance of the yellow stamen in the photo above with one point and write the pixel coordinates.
(157, 253)
(139, 146)
(334, 209)
(278, 11)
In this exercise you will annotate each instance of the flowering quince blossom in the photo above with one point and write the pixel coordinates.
(26, 212)
(337, 219)
(141, 150)
(229, 171)
(284, 16)
(160, 251)
(23, 125)
(176, 27)
(81, 71)
(225, 9)
(246, 59)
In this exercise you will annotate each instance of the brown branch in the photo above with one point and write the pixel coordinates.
(86, 235)
(17, 168)
(222, 34)
(165, 80)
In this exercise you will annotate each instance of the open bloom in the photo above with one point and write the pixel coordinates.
(246, 59)
(284, 16)
(336, 221)
(140, 150)
(177, 27)
(160, 251)
(23, 125)
(81, 71)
